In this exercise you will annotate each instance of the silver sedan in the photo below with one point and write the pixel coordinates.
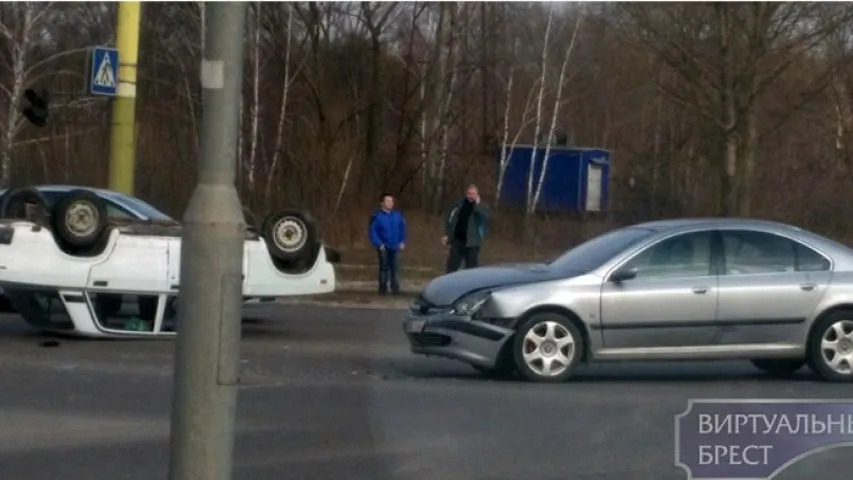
(690, 289)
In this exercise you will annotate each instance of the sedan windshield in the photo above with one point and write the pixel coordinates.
(594, 252)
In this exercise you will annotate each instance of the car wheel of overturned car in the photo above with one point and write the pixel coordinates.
(23, 204)
(830, 347)
(778, 367)
(80, 219)
(291, 235)
(546, 347)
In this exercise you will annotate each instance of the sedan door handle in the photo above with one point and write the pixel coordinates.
(807, 287)
(700, 290)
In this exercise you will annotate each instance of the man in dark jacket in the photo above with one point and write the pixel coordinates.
(387, 234)
(464, 230)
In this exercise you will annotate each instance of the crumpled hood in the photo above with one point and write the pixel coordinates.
(444, 290)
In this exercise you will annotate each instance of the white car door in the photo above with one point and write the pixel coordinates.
(174, 264)
(125, 288)
(138, 263)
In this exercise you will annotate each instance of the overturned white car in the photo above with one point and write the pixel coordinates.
(98, 263)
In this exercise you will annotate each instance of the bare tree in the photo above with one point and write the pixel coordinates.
(561, 80)
(728, 56)
(254, 22)
(286, 83)
(543, 66)
(699, 103)
(21, 28)
(508, 144)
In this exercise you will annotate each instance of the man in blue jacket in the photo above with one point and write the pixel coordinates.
(388, 236)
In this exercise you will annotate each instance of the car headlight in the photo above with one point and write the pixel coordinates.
(469, 304)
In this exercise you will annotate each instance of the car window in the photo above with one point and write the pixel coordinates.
(51, 196)
(682, 256)
(114, 211)
(809, 260)
(749, 253)
(594, 252)
(144, 208)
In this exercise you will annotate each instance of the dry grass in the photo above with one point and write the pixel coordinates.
(425, 256)
(353, 299)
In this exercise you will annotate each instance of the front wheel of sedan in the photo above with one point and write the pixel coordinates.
(830, 352)
(546, 348)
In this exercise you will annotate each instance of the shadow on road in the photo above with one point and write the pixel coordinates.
(603, 374)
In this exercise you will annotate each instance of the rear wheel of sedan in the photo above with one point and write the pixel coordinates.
(830, 348)
(778, 367)
(546, 347)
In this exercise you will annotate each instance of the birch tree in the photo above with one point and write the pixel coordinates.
(254, 22)
(375, 18)
(286, 83)
(453, 59)
(437, 92)
(535, 150)
(727, 58)
(18, 29)
(561, 80)
(841, 93)
(508, 144)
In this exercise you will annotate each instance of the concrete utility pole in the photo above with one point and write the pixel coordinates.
(207, 358)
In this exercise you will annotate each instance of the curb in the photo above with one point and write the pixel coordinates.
(363, 286)
(359, 294)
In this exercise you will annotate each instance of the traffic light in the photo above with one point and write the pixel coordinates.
(37, 111)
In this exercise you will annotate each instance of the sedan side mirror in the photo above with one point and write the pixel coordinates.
(623, 274)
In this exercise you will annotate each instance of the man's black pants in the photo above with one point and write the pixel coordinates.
(459, 253)
(388, 269)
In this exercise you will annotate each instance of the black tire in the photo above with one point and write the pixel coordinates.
(504, 369)
(563, 326)
(498, 372)
(80, 218)
(779, 367)
(816, 361)
(291, 235)
(14, 203)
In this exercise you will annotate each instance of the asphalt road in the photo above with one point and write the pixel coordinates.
(334, 393)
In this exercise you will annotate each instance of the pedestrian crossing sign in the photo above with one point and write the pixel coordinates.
(103, 76)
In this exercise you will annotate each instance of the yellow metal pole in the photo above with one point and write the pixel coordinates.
(123, 136)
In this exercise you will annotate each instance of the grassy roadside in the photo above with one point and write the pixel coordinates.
(425, 263)
(356, 275)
